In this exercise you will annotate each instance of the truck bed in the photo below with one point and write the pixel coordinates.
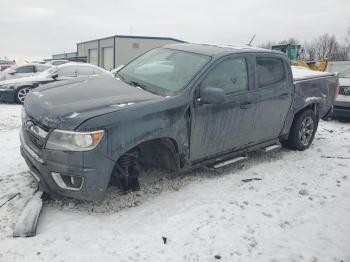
(302, 73)
(314, 87)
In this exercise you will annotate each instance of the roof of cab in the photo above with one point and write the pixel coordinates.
(217, 50)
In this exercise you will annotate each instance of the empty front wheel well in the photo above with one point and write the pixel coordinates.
(160, 152)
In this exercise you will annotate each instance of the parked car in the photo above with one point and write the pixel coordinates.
(341, 106)
(5, 64)
(57, 62)
(25, 70)
(206, 105)
(16, 90)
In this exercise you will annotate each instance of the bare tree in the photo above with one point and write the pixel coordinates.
(324, 46)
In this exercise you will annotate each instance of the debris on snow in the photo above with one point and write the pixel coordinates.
(250, 179)
(303, 192)
(9, 198)
(27, 222)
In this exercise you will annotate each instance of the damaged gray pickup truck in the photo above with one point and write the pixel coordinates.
(175, 107)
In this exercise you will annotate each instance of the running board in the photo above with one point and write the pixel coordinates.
(272, 148)
(230, 161)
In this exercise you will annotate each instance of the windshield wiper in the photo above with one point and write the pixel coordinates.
(137, 84)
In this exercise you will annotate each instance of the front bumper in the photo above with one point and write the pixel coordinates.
(7, 95)
(92, 166)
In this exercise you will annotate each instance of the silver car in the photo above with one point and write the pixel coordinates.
(25, 70)
(341, 106)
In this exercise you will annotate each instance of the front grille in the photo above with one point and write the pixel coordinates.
(35, 140)
(36, 132)
(46, 128)
(344, 90)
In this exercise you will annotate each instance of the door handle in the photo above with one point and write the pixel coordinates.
(283, 96)
(245, 105)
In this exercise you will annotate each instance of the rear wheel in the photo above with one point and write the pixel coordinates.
(303, 130)
(21, 93)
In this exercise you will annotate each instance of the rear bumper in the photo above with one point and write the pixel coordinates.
(7, 95)
(341, 107)
(95, 177)
(343, 112)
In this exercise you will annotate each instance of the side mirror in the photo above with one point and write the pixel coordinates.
(54, 76)
(115, 70)
(119, 67)
(212, 95)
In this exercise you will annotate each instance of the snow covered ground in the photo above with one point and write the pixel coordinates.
(298, 211)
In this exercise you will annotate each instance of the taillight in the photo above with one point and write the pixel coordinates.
(337, 91)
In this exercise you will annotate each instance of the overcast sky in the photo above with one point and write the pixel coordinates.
(36, 29)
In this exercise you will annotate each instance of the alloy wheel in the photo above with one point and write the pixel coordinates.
(306, 131)
(21, 95)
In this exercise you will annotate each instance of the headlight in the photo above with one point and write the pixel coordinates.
(74, 141)
(6, 87)
(23, 114)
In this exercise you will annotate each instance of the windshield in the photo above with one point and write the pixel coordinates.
(345, 73)
(10, 69)
(163, 71)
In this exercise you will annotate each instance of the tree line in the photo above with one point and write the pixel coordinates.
(323, 46)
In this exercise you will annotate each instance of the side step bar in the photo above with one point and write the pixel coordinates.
(272, 148)
(269, 148)
(230, 161)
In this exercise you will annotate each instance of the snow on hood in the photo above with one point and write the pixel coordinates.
(67, 105)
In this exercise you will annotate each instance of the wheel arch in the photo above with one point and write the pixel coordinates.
(314, 106)
(164, 149)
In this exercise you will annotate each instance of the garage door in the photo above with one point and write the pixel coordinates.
(107, 58)
(93, 56)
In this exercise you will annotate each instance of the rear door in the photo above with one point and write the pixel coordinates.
(275, 91)
(219, 128)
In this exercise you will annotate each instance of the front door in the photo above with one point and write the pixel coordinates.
(219, 128)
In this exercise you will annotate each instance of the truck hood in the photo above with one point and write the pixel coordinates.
(67, 105)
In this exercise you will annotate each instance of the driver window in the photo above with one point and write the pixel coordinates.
(69, 71)
(231, 75)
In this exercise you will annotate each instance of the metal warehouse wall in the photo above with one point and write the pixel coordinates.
(100, 52)
(64, 55)
(129, 48)
(83, 49)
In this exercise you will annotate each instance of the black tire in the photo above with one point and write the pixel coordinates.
(303, 130)
(21, 94)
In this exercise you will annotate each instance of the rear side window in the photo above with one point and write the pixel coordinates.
(25, 69)
(40, 68)
(231, 75)
(85, 70)
(270, 71)
(68, 71)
